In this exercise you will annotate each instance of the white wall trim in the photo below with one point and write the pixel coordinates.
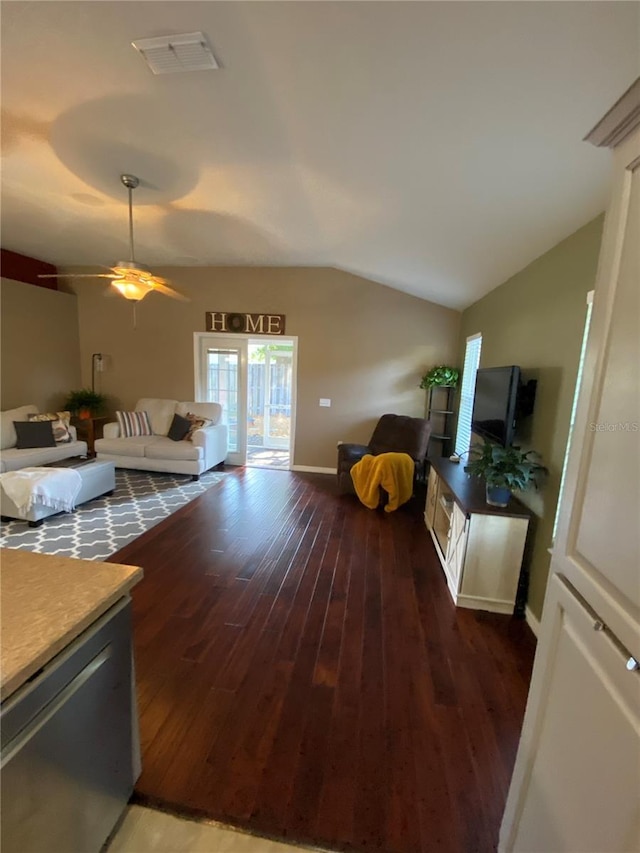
(310, 469)
(619, 122)
(532, 621)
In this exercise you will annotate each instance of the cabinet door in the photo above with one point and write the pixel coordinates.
(577, 775)
(598, 542)
(432, 497)
(456, 546)
(578, 768)
(495, 546)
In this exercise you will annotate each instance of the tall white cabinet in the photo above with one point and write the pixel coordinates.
(576, 782)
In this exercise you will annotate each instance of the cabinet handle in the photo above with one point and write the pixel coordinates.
(598, 625)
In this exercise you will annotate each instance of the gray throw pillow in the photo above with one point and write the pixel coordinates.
(179, 428)
(34, 434)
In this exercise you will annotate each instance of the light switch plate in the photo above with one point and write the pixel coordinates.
(325, 401)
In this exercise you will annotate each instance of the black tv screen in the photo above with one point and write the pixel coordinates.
(494, 405)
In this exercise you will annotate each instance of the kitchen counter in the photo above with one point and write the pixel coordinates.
(48, 601)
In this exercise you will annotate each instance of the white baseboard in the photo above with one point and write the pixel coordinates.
(493, 605)
(532, 621)
(309, 469)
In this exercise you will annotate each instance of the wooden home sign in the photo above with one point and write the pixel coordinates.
(253, 324)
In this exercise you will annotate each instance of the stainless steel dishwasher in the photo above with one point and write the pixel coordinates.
(66, 735)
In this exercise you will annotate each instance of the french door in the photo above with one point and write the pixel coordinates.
(270, 393)
(225, 372)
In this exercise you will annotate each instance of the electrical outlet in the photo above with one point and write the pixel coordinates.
(325, 402)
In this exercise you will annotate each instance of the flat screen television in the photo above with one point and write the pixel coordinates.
(494, 405)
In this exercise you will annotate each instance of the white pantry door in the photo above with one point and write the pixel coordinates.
(598, 541)
(576, 782)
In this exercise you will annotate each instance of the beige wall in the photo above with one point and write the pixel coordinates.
(39, 346)
(363, 345)
(536, 320)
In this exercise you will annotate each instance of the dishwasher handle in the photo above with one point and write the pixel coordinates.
(29, 731)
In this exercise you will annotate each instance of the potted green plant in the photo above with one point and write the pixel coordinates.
(85, 403)
(439, 376)
(503, 469)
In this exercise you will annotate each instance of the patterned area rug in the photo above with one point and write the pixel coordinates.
(102, 526)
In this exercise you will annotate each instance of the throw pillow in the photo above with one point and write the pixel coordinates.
(34, 434)
(197, 422)
(59, 422)
(133, 423)
(179, 428)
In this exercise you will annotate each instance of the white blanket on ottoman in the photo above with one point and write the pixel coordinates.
(57, 488)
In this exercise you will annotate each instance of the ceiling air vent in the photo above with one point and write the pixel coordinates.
(170, 54)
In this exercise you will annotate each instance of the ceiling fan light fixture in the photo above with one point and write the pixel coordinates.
(132, 289)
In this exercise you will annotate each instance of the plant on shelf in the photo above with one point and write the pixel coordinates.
(439, 376)
(503, 469)
(85, 403)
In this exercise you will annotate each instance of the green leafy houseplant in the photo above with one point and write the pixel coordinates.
(440, 375)
(503, 469)
(85, 402)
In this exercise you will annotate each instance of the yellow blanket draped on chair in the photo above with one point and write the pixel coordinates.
(391, 471)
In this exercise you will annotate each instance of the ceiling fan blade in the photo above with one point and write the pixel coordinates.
(130, 269)
(161, 287)
(77, 275)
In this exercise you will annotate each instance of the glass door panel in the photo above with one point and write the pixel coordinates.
(222, 387)
(270, 392)
(222, 368)
(277, 420)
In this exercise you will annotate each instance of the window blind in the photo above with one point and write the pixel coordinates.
(467, 393)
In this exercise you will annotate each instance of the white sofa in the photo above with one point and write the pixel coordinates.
(12, 459)
(157, 452)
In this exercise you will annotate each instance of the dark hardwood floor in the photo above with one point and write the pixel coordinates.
(303, 672)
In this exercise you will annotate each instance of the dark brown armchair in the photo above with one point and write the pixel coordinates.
(393, 434)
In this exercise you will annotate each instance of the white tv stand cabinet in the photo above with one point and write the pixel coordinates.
(479, 546)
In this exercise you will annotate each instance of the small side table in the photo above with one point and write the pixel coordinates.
(89, 429)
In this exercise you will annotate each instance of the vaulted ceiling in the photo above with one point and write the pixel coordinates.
(434, 147)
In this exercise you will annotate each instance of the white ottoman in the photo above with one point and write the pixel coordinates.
(98, 478)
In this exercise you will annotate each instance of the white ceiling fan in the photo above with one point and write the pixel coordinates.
(127, 277)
